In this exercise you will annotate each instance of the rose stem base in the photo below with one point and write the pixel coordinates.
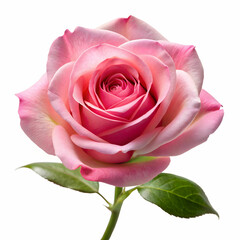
(114, 215)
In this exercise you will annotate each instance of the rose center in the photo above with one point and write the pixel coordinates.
(118, 85)
(115, 85)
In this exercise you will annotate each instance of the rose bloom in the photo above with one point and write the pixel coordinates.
(113, 94)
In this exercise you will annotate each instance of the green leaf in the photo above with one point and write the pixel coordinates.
(176, 195)
(60, 175)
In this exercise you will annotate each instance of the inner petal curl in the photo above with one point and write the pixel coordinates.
(115, 84)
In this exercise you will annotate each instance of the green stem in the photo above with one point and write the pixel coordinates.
(115, 214)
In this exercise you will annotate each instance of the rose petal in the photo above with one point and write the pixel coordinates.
(208, 102)
(71, 45)
(133, 28)
(116, 158)
(152, 48)
(110, 148)
(91, 58)
(205, 123)
(95, 121)
(38, 118)
(101, 147)
(182, 110)
(190, 106)
(105, 114)
(106, 147)
(58, 95)
(126, 133)
(127, 174)
(185, 58)
(155, 49)
(134, 126)
(88, 62)
(128, 109)
(114, 131)
(71, 156)
(90, 88)
(162, 83)
(121, 114)
(163, 88)
(122, 175)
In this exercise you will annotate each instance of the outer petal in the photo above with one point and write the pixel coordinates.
(109, 148)
(181, 112)
(64, 148)
(127, 174)
(37, 116)
(185, 58)
(58, 95)
(155, 49)
(122, 175)
(71, 156)
(71, 45)
(133, 28)
(205, 123)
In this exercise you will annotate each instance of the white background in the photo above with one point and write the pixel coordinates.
(33, 208)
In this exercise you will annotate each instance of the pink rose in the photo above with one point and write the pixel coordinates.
(115, 93)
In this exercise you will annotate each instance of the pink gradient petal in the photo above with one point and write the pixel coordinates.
(161, 77)
(205, 123)
(133, 28)
(72, 44)
(38, 118)
(91, 58)
(185, 58)
(101, 147)
(134, 172)
(155, 49)
(92, 91)
(147, 49)
(126, 133)
(108, 99)
(152, 48)
(112, 130)
(64, 148)
(71, 156)
(160, 87)
(148, 104)
(107, 68)
(58, 95)
(116, 158)
(82, 90)
(105, 114)
(127, 110)
(208, 102)
(127, 174)
(97, 123)
(181, 112)
(89, 61)
(163, 88)
(106, 147)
